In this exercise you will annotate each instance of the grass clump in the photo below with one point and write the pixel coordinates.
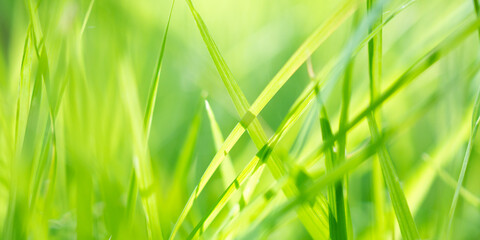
(127, 119)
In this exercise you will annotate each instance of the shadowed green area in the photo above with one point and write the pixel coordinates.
(352, 119)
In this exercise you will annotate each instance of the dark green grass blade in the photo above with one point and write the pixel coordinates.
(335, 193)
(335, 190)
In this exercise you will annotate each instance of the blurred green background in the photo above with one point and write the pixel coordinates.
(76, 183)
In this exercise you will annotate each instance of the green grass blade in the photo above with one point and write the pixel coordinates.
(152, 94)
(343, 120)
(375, 72)
(335, 191)
(475, 126)
(467, 195)
(39, 168)
(476, 5)
(147, 120)
(399, 202)
(185, 158)
(85, 19)
(141, 158)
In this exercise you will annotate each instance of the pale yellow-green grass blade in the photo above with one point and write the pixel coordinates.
(147, 120)
(85, 19)
(141, 157)
(399, 202)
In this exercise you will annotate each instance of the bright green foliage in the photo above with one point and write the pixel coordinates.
(208, 119)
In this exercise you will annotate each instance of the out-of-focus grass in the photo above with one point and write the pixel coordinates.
(217, 119)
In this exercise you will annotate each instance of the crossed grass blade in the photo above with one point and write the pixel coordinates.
(411, 73)
(389, 133)
(306, 96)
(240, 102)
